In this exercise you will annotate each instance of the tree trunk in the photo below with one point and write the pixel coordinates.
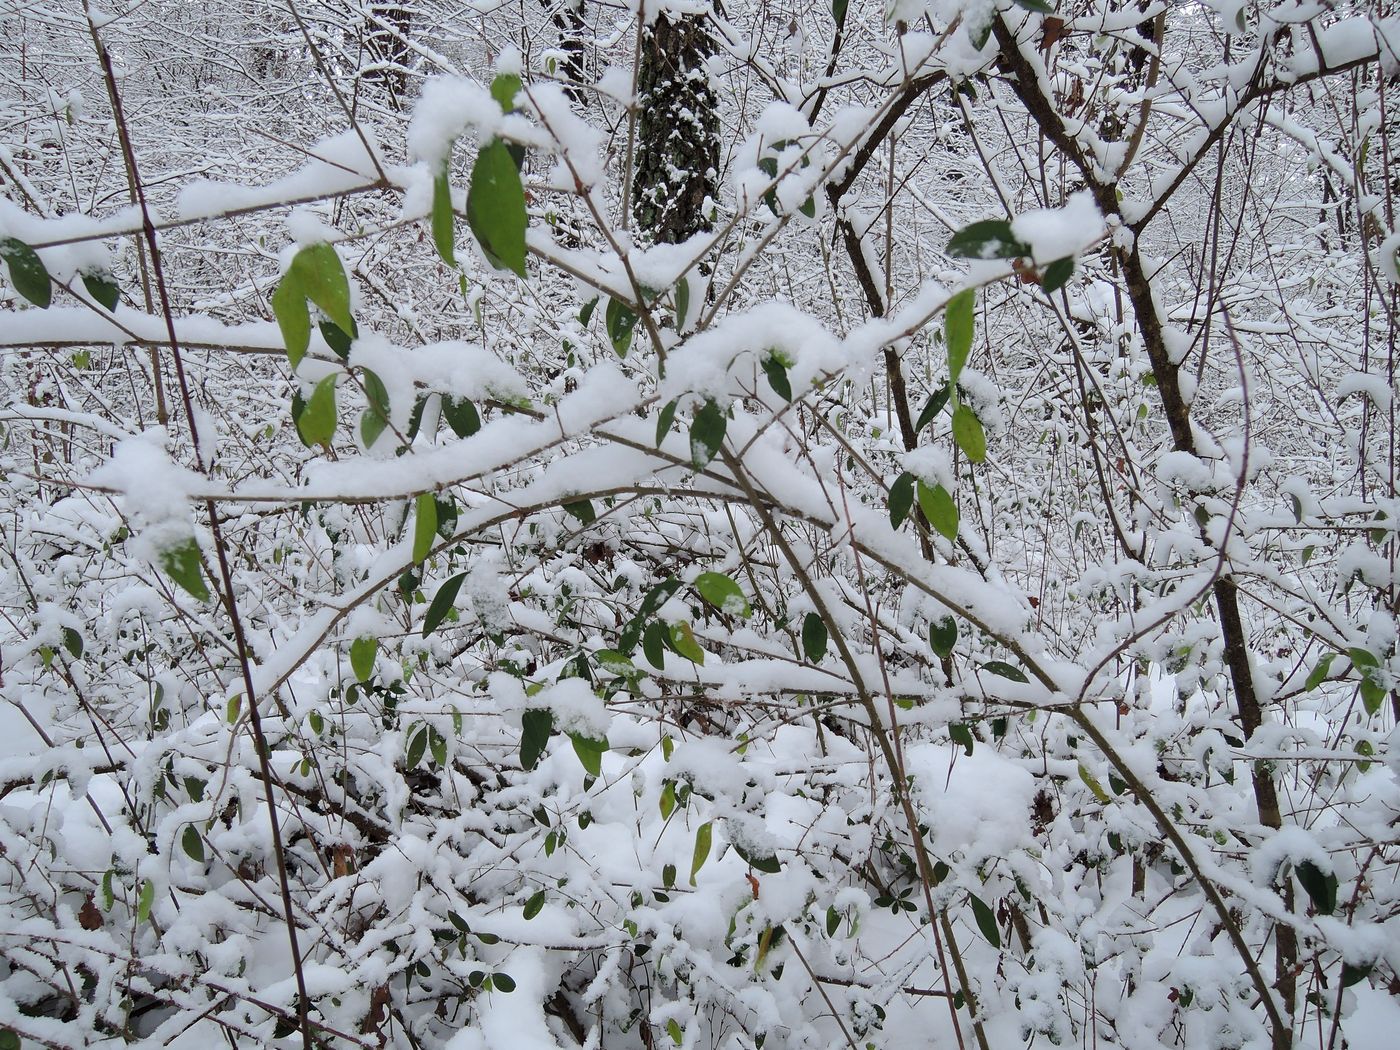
(677, 158)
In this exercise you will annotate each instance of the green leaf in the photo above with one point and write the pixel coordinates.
(582, 510)
(1320, 671)
(438, 746)
(192, 844)
(838, 12)
(769, 864)
(144, 902)
(535, 727)
(446, 517)
(103, 290)
(614, 662)
(988, 239)
(957, 330)
(673, 1029)
(967, 432)
(109, 894)
(986, 921)
(814, 636)
(442, 219)
(316, 424)
(683, 642)
(293, 318)
(667, 802)
(620, 322)
(362, 654)
(337, 340)
(723, 593)
(901, 499)
(9, 1039)
(586, 312)
(1361, 658)
(1035, 5)
(1057, 274)
(1372, 694)
(1092, 783)
(417, 746)
(1321, 889)
(777, 375)
(1368, 667)
(442, 603)
(461, 416)
(378, 399)
(707, 433)
(371, 427)
(322, 280)
(27, 271)
(424, 526)
(942, 636)
(533, 905)
(504, 89)
(1355, 974)
(702, 849)
(654, 644)
(961, 733)
(1005, 670)
(73, 642)
(939, 508)
(496, 207)
(181, 563)
(682, 302)
(664, 421)
(590, 753)
(502, 982)
(933, 406)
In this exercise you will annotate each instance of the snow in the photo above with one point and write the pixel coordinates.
(339, 164)
(978, 806)
(1079, 558)
(1058, 233)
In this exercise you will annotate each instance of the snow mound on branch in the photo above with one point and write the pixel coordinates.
(976, 805)
(1055, 233)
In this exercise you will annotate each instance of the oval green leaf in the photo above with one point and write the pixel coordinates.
(901, 499)
(957, 330)
(702, 849)
(986, 921)
(442, 603)
(424, 525)
(723, 593)
(535, 727)
(968, 433)
(27, 271)
(707, 433)
(181, 563)
(442, 219)
(814, 636)
(942, 636)
(103, 290)
(362, 654)
(939, 508)
(316, 424)
(496, 207)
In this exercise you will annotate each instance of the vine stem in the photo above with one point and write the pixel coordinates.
(225, 574)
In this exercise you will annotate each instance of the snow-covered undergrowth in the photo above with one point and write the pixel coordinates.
(951, 600)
